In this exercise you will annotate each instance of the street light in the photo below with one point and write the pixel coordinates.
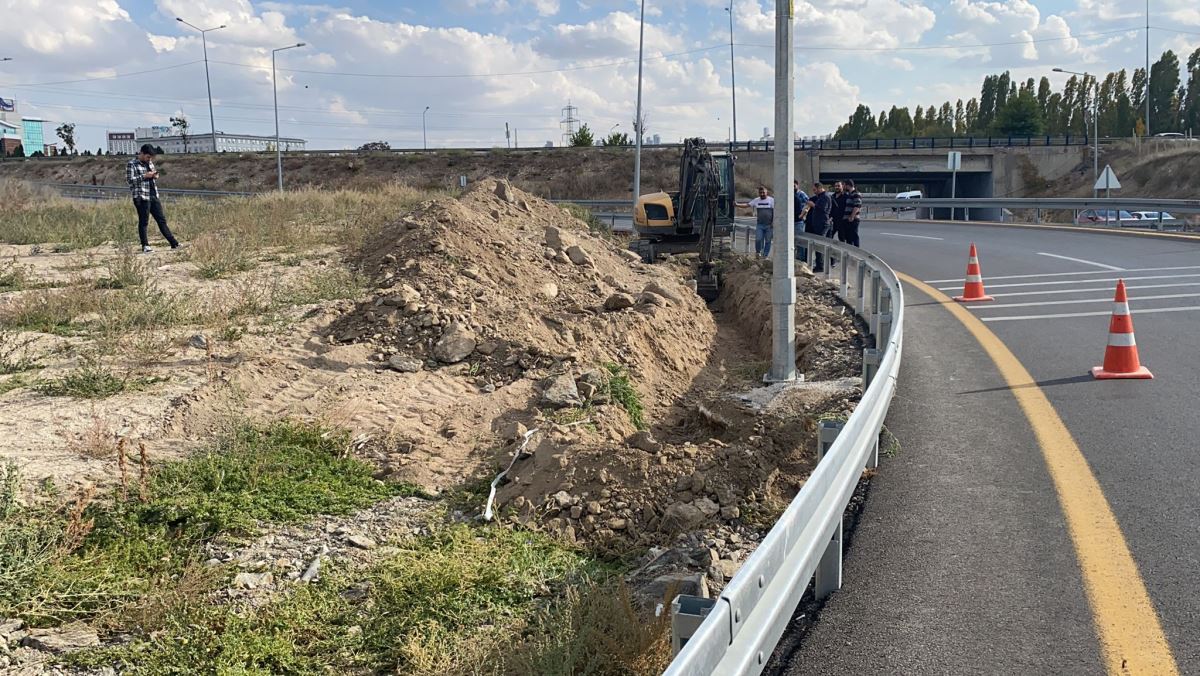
(732, 74)
(424, 138)
(1095, 123)
(275, 93)
(212, 123)
(639, 122)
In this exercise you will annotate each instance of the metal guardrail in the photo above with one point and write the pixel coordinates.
(109, 192)
(743, 626)
(1043, 203)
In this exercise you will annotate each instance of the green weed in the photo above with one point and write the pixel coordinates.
(622, 391)
(124, 271)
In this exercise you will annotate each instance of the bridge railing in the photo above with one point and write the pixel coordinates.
(1038, 209)
(740, 629)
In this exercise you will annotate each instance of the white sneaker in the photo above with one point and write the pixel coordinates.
(147, 249)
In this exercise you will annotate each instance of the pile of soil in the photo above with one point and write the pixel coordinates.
(542, 328)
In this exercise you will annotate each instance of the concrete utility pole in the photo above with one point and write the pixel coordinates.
(637, 158)
(1095, 125)
(783, 282)
(1147, 68)
(212, 121)
(275, 93)
(732, 74)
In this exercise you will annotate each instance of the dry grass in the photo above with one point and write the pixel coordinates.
(97, 441)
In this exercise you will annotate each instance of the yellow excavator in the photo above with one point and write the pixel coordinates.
(693, 218)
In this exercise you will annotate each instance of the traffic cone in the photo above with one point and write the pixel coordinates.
(1121, 355)
(973, 287)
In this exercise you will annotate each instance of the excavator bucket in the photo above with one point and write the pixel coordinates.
(708, 284)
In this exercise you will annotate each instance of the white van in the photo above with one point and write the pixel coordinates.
(910, 195)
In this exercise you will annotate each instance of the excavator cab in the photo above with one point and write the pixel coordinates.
(688, 220)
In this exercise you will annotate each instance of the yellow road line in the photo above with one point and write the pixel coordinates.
(1126, 622)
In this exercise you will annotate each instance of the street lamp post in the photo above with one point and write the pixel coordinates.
(732, 74)
(1095, 125)
(424, 138)
(638, 121)
(275, 92)
(212, 122)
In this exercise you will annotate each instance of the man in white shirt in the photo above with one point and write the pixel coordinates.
(764, 213)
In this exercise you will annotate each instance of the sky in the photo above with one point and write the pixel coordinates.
(371, 67)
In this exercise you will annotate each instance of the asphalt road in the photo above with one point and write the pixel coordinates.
(961, 562)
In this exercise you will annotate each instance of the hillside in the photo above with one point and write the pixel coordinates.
(1169, 169)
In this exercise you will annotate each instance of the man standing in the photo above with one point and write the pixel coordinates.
(816, 218)
(764, 215)
(799, 199)
(838, 211)
(143, 183)
(854, 205)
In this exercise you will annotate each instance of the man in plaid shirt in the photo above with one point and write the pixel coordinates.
(143, 183)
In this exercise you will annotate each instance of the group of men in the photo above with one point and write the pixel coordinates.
(835, 214)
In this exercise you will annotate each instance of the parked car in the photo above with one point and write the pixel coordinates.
(1102, 216)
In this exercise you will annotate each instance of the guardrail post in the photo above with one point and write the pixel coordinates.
(1037, 215)
(873, 318)
(827, 433)
(828, 576)
(845, 279)
(860, 302)
(687, 613)
(828, 262)
(871, 359)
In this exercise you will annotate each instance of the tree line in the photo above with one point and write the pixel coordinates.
(1006, 107)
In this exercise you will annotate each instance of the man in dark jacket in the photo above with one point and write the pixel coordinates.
(838, 212)
(816, 218)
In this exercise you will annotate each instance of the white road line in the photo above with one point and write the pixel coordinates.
(1097, 290)
(991, 306)
(1106, 313)
(1066, 274)
(896, 234)
(1073, 281)
(1080, 260)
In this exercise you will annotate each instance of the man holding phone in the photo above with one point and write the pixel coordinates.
(143, 183)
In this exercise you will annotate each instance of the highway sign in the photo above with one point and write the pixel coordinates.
(1108, 179)
(954, 161)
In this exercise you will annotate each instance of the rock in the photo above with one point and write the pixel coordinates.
(8, 627)
(198, 341)
(252, 580)
(456, 344)
(594, 507)
(576, 512)
(579, 257)
(313, 571)
(562, 499)
(727, 568)
(730, 513)
(505, 192)
(561, 258)
(617, 524)
(560, 391)
(403, 364)
(63, 639)
(630, 256)
(681, 516)
(487, 348)
(513, 431)
(472, 273)
(618, 301)
(659, 290)
(665, 588)
(706, 507)
(651, 299)
(361, 541)
(644, 441)
(556, 239)
(697, 482)
(549, 291)
(586, 390)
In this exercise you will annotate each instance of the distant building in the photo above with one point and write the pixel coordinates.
(656, 140)
(34, 138)
(157, 131)
(10, 138)
(122, 143)
(203, 143)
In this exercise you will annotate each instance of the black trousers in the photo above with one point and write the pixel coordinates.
(850, 233)
(146, 209)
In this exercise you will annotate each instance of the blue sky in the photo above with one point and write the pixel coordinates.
(371, 66)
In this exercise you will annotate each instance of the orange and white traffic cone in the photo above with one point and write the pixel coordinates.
(1121, 356)
(973, 287)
